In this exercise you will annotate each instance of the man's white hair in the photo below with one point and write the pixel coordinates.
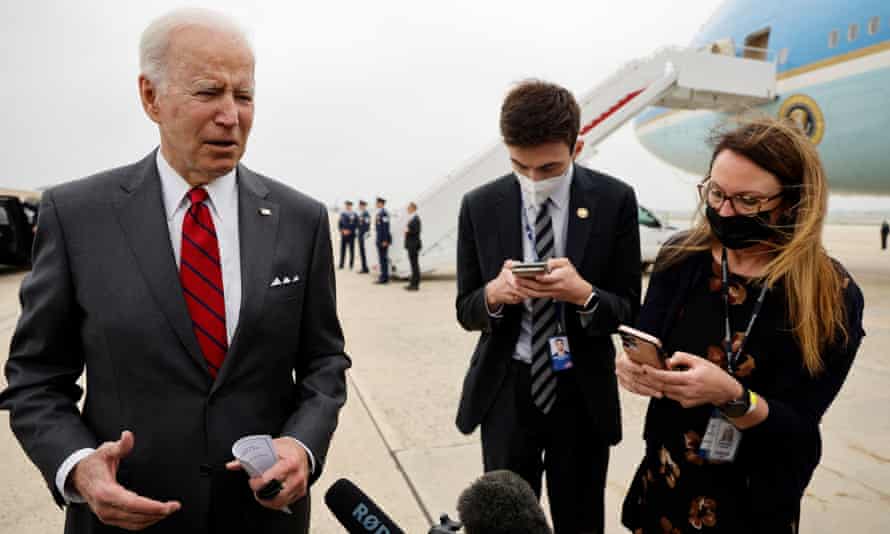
(156, 38)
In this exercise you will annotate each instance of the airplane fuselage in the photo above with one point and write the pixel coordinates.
(833, 79)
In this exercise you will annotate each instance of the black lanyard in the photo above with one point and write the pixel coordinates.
(732, 358)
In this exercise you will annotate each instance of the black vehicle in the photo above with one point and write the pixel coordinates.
(17, 223)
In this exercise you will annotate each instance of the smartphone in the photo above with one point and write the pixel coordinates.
(529, 269)
(641, 347)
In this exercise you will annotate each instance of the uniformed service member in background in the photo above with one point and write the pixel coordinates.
(348, 226)
(364, 228)
(384, 239)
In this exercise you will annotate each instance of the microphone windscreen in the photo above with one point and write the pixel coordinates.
(356, 511)
(501, 502)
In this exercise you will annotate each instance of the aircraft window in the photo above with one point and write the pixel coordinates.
(852, 32)
(783, 56)
(874, 24)
(833, 38)
(724, 47)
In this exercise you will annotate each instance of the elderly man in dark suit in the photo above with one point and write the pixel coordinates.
(199, 297)
(536, 416)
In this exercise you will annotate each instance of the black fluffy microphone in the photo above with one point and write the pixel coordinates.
(356, 511)
(501, 502)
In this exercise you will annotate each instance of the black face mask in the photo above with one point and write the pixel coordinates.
(740, 231)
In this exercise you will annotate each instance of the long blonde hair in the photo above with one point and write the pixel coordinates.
(813, 283)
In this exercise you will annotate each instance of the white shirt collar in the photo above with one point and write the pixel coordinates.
(222, 192)
(560, 197)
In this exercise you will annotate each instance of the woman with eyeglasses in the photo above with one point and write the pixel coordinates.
(761, 327)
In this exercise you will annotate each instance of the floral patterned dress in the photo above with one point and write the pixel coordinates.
(675, 490)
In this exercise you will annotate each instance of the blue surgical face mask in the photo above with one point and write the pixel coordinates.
(537, 192)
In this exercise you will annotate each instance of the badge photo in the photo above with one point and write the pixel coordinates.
(560, 355)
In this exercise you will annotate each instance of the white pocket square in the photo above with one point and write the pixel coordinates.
(287, 280)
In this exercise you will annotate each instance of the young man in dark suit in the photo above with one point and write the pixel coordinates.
(583, 224)
(198, 296)
(413, 246)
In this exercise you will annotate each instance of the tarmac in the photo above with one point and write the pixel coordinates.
(397, 440)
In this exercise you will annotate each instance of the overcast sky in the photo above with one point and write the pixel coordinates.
(354, 98)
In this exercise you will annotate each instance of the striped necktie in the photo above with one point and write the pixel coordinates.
(543, 322)
(200, 272)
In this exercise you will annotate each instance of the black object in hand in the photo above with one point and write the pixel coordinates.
(270, 490)
(446, 526)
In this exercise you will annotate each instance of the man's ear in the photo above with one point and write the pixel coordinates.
(579, 146)
(148, 93)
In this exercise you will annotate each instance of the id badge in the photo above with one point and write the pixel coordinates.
(721, 441)
(560, 354)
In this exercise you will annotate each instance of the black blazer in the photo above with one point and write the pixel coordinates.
(605, 249)
(105, 296)
(412, 236)
(788, 444)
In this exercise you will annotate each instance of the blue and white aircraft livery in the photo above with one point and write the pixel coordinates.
(833, 78)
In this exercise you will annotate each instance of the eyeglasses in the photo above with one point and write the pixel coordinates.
(743, 204)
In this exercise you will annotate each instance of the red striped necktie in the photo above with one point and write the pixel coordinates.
(200, 271)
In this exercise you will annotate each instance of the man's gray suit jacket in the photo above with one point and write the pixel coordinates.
(104, 294)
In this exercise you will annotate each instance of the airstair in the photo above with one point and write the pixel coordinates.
(674, 78)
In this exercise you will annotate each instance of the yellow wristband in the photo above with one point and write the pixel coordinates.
(752, 401)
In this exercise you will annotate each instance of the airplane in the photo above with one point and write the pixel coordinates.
(824, 64)
(833, 79)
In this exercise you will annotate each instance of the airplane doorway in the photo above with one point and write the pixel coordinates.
(757, 44)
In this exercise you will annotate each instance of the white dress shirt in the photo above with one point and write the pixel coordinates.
(558, 207)
(223, 204)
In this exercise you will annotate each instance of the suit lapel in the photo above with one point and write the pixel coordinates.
(582, 201)
(508, 213)
(140, 210)
(257, 233)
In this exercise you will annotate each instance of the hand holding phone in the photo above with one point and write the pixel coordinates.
(502, 289)
(529, 269)
(642, 348)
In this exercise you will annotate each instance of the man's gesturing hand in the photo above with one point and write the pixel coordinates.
(95, 479)
(291, 469)
(503, 289)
